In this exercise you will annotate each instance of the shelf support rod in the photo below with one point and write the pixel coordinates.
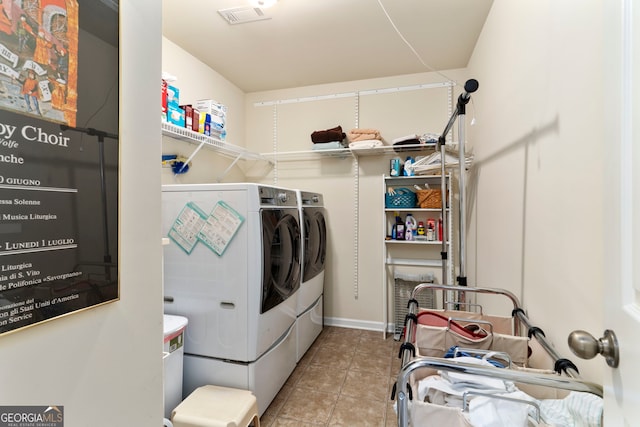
(191, 156)
(275, 144)
(226, 171)
(356, 207)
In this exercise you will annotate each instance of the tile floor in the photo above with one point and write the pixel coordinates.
(344, 379)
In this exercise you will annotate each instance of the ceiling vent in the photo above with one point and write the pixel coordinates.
(242, 15)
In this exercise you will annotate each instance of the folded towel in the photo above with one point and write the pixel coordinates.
(363, 134)
(329, 135)
(365, 144)
(334, 145)
(406, 138)
(399, 147)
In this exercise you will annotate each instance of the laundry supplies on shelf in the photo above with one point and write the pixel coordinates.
(217, 112)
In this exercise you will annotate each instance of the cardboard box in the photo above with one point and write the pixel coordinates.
(175, 115)
(212, 107)
(188, 116)
(196, 121)
(173, 96)
(217, 111)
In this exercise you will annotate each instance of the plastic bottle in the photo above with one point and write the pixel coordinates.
(411, 227)
(395, 166)
(394, 227)
(396, 231)
(399, 227)
(431, 229)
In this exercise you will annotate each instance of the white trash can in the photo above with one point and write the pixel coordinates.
(173, 356)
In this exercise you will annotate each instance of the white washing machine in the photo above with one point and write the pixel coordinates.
(233, 269)
(309, 313)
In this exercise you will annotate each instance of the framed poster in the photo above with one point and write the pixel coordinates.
(59, 154)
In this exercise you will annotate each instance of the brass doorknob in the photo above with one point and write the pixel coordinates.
(586, 346)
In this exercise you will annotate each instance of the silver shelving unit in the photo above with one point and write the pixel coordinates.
(423, 254)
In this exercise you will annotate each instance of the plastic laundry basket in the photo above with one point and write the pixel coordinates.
(404, 285)
(173, 356)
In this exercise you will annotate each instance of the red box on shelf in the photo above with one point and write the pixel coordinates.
(196, 121)
(188, 116)
(164, 97)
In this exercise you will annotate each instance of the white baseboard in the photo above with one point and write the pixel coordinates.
(357, 324)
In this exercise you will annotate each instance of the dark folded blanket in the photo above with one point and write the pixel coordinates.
(329, 135)
(398, 146)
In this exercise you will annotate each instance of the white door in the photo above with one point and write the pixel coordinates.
(622, 208)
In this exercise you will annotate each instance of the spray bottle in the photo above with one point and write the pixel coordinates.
(411, 227)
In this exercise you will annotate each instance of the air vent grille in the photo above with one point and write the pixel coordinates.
(242, 15)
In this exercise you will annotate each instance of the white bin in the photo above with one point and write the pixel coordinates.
(173, 351)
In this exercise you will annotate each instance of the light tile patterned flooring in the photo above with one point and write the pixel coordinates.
(344, 379)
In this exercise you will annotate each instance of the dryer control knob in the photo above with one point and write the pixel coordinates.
(283, 197)
(315, 199)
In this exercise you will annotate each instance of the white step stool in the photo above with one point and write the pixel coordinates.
(213, 406)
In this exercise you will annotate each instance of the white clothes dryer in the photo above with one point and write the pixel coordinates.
(233, 269)
(309, 322)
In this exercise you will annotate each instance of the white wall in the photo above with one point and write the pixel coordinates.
(105, 364)
(535, 198)
(353, 279)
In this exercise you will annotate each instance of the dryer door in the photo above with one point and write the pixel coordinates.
(315, 242)
(281, 252)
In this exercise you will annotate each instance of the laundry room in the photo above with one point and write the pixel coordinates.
(292, 228)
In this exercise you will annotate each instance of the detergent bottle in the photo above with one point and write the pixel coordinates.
(411, 227)
(394, 228)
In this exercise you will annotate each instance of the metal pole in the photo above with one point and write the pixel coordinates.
(470, 86)
(443, 195)
(462, 212)
(105, 220)
(463, 197)
(103, 187)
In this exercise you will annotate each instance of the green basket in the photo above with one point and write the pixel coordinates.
(402, 198)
